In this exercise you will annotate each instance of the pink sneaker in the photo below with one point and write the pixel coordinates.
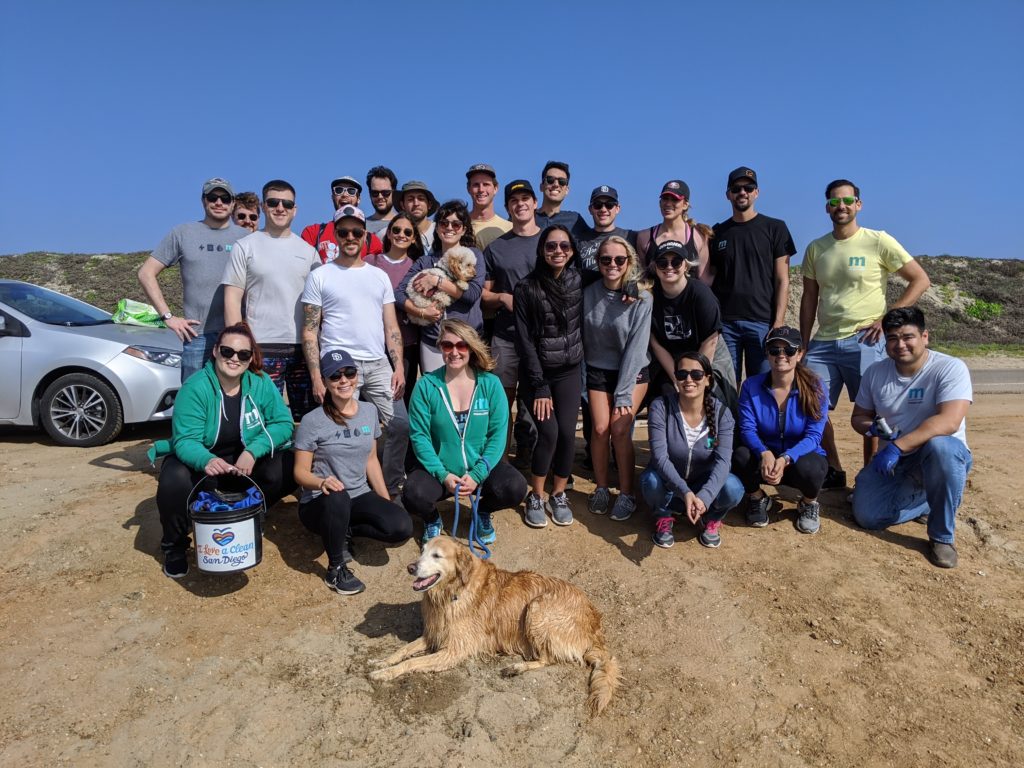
(710, 536)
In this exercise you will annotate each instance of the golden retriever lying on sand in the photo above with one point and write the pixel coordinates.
(471, 607)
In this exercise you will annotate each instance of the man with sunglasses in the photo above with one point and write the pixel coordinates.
(482, 185)
(268, 271)
(344, 191)
(247, 211)
(201, 249)
(845, 274)
(554, 185)
(750, 255)
(339, 304)
(381, 183)
(604, 208)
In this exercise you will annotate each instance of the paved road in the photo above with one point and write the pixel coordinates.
(1000, 382)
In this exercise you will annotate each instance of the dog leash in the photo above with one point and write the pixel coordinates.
(473, 540)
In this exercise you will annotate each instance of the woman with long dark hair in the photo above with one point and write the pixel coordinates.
(782, 417)
(691, 438)
(336, 464)
(548, 306)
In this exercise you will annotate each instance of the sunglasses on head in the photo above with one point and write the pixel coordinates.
(553, 246)
(556, 180)
(448, 346)
(606, 261)
(244, 355)
(340, 190)
(787, 350)
(606, 205)
(274, 202)
(247, 216)
(737, 188)
(348, 373)
(834, 201)
(374, 192)
(343, 233)
(396, 230)
(455, 226)
(684, 373)
(213, 197)
(663, 262)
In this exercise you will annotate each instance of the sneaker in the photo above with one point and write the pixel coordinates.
(432, 529)
(599, 500)
(711, 536)
(175, 565)
(558, 506)
(343, 581)
(535, 517)
(663, 535)
(757, 511)
(807, 520)
(625, 504)
(485, 528)
(834, 478)
(942, 555)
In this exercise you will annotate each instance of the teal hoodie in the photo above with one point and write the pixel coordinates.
(434, 433)
(266, 423)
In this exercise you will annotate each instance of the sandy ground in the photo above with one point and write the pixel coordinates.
(779, 649)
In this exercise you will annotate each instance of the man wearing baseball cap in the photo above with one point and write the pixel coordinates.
(604, 208)
(482, 185)
(202, 249)
(419, 202)
(339, 304)
(345, 190)
(554, 185)
(750, 255)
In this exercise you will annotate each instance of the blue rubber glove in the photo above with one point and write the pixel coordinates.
(885, 460)
(874, 431)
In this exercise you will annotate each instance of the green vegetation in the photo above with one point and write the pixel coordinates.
(984, 310)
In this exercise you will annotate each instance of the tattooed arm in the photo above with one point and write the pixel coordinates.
(311, 316)
(393, 340)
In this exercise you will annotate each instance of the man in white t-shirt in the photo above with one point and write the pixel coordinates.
(268, 270)
(339, 304)
(916, 403)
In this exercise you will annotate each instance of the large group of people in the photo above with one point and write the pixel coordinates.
(400, 403)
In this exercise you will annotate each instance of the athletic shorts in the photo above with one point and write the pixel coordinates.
(603, 380)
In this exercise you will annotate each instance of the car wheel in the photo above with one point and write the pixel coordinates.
(81, 410)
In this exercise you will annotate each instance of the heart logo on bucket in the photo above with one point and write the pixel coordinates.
(223, 536)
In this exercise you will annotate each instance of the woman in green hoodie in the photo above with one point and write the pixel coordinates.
(229, 419)
(458, 417)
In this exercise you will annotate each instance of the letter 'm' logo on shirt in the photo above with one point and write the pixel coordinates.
(721, 245)
(858, 261)
(915, 395)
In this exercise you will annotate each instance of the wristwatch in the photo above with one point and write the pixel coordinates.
(166, 316)
(788, 458)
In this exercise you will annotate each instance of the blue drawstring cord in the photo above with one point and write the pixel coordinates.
(473, 539)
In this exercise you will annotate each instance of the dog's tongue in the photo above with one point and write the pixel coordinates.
(421, 584)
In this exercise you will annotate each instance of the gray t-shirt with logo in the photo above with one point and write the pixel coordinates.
(339, 450)
(202, 254)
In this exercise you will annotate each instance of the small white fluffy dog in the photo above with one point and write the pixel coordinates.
(457, 265)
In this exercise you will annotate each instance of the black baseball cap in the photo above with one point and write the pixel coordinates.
(605, 191)
(332, 362)
(743, 172)
(517, 186)
(678, 188)
(671, 246)
(784, 333)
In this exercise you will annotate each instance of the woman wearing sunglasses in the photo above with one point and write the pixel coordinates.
(336, 464)
(458, 419)
(402, 247)
(229, 419)
(691, 438)
(549, 339)
(782, 417)
(452, 226)
(615, 344)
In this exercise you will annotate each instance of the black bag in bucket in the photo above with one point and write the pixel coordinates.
(227, 524)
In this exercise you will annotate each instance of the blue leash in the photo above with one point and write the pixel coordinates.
(474, 538)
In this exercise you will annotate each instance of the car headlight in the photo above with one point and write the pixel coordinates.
(167, 357)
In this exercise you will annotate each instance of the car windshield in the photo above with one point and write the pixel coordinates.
(50, 307)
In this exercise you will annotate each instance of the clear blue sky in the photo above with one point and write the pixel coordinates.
(113, 113)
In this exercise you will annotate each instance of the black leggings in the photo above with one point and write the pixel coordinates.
(806, 474)
(332, 515)
(556, 435)
(504, 487)
(273, 474)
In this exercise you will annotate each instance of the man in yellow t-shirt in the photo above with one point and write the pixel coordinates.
(845, 276)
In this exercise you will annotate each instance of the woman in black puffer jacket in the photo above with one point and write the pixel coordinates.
(548, 307)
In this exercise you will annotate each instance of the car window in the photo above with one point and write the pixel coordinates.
(46, 306)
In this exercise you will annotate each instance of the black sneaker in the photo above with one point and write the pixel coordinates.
(176, 565)
(757, 511)
(343, 581)
(834, 478)
(942, 555)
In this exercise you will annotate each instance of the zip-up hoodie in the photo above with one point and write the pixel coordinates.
(702, 471)
(266, 423)
(434, 433)
(764, 426)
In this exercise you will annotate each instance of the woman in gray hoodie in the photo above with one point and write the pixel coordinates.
(691, 451)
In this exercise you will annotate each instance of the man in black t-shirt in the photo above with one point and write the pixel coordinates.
(750, 255)
(604, 207)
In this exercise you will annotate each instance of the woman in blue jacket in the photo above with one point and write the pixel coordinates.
(782, 417)
(691, 447)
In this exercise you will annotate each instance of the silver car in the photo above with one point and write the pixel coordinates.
(66, 366)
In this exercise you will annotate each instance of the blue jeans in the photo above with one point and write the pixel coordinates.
(929, 481)
(745, 340)
(660, 499)
(842, 361)
(196, 352)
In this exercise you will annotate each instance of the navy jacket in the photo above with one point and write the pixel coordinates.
(766, 427)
